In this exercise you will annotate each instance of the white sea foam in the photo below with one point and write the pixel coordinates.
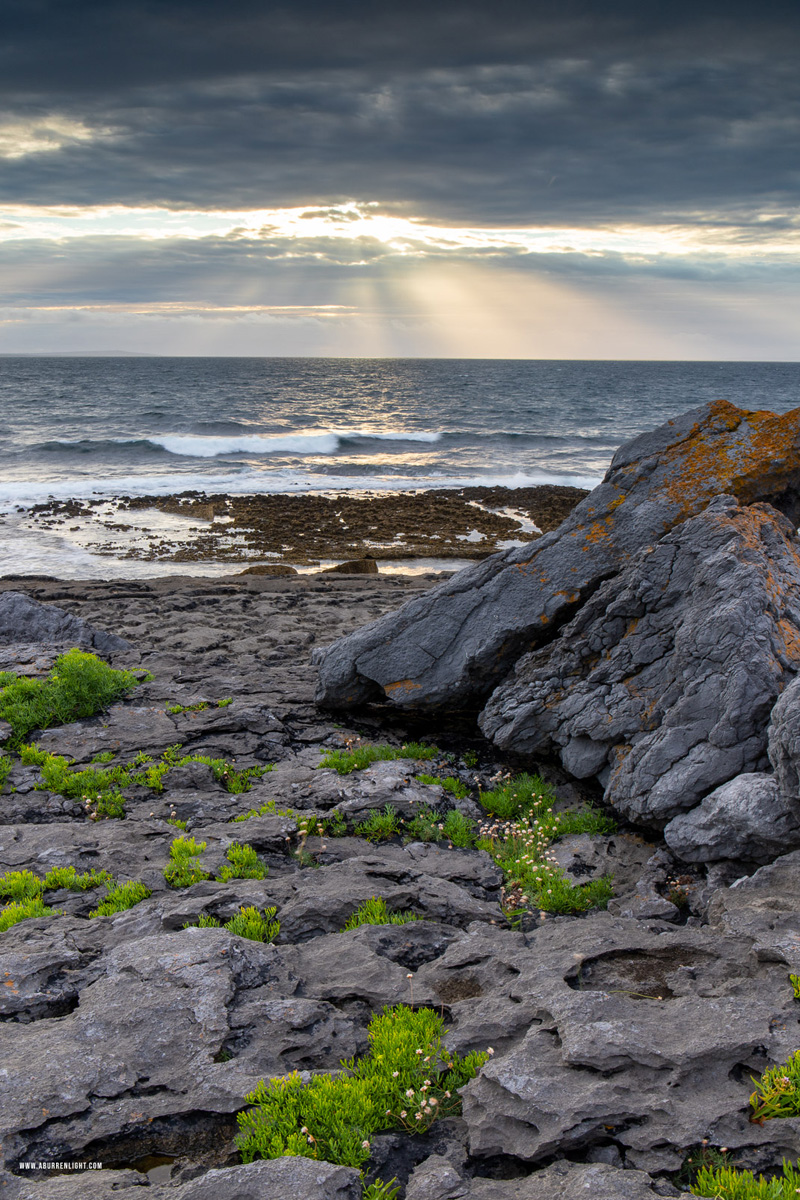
(210, 447)
(325, 441)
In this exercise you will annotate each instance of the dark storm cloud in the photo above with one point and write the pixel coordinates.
(510, 112)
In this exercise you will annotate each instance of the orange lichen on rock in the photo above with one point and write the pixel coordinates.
(709, 461)
(402, 686)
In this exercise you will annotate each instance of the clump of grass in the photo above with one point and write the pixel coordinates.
(23, 885)
(68, 877)
(382, 1191)
(178, 823)
(269, 808)
(379, 826)
(248, 923)
(6, 767)
(519, 839)
(430, 826)
(727, 1183)
(204, 922)
(449, 783)
(104, 757)
(98, 789)
(407, 1081)
(359, 757)
(777, 1092)
(24, 910)
(20, 885)
(375, 912)
(184, 867)
(200, 706)
(794, 980)
(258, 927)
(244, 864)
(120, 897)
(78, 686)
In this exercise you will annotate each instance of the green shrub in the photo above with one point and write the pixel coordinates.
(269, 808)
(97, 788)
(105, 757)
(375, 912)
(450, 784)
(407, 1081)
(244, 864)
(347, 761)
(518, 838)
(6, 767)
(120, 897)
(249, 923)
(204, 922)
(23, 910)
(184, 867)
(777, 1092)
(78, 686)
(68, 877)
(20, 885)
(431, 826)
(794, 980)
(726, 1183)
(518, 797)
(382, 1191)
(379, 826)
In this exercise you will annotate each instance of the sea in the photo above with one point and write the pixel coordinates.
(100, 427)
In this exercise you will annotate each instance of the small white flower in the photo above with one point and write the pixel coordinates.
(403, 1113)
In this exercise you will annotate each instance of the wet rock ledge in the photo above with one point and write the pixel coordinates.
(643, 656)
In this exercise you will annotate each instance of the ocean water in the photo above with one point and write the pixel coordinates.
(89, 427)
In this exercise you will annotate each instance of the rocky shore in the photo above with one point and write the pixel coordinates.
(643, 657)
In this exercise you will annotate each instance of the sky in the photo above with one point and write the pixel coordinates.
(580, 179)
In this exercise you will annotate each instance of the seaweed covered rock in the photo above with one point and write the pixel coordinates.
(455, 644)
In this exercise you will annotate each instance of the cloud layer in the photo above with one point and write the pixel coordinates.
(675, 122)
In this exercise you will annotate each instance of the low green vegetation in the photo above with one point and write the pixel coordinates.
(269, 808)
(24, 910)
(244, 864)
(184, 867)
(6, 767)
(380, 825)
(375, 912)
(406, 1081)
(794, 980)
(727, 1183)
(430, 826)
(21, 885)
(449, 783)
(523, 826)
(356, 759)
(247, 923)
(99, 788)
(121, 896)
(78, 686)
(174, 709)
(777, 1092)
(382, 1191)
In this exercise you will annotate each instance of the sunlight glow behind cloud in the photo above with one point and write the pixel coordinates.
(768, 233)
(39, 135)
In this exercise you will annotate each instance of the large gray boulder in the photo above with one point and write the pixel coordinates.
(747, 818)
(664, 682)
(26, 621)
(453, 645)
